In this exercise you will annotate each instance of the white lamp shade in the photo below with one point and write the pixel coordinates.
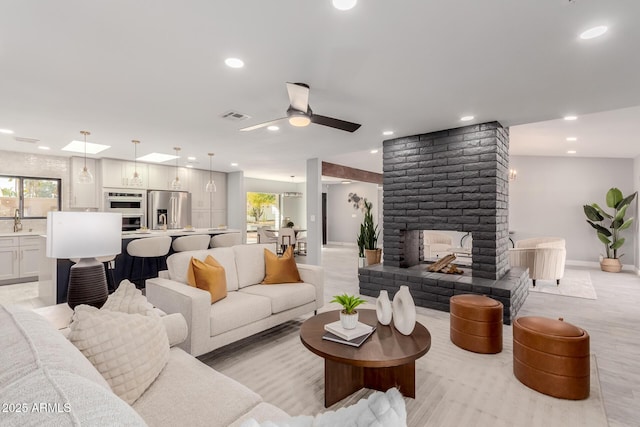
(83, 234)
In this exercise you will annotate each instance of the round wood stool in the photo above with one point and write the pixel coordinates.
(476, 323)
(552, 357)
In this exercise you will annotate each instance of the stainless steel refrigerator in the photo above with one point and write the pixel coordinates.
(170, 208)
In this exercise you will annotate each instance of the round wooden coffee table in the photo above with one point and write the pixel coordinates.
(385, 360)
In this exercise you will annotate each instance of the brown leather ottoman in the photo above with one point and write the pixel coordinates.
(476, 323)
(552, 357)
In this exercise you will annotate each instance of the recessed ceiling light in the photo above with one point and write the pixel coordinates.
(191, 158)
(6, 131)
(79, 147)
(273, 128)
(43, 147)
(572, 138)
(466, 118)
(234, 164)
(234, 62)
(344, 4)
(594, 32)
(189, 166)
(569, 118)
(157, 157)
(387, 132)
(374, 151)
(571, 152)
(345, 182)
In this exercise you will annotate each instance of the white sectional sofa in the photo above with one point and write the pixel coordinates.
(46, 380)
(249, 307)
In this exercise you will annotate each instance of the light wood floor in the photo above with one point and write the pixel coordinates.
(612, 321)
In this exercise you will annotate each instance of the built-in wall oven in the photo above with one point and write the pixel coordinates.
(131, 204)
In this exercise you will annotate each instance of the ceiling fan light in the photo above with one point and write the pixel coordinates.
(299, 121)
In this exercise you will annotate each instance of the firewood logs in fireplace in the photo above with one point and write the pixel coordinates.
(444, 265)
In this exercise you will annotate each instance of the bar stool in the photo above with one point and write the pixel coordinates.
(151, 247)
(191, 243)
(226, 240)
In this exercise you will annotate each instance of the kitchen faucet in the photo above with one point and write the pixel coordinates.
(162, 218)
(17, 225)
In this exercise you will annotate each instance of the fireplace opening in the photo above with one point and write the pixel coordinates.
(422, 248)
(438, 244)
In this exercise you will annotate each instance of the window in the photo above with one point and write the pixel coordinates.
(262, 210)
(32, 197)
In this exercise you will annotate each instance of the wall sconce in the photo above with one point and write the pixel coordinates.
(513, 174)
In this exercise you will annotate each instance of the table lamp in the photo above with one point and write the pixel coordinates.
(84, 235)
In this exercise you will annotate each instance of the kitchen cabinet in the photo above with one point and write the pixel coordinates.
(118, 173)
(201, 202)
(29, 256)
(200, 197)
(200, 218)
(83, 196)
(19, 258)
(9, 264)
(161, 176)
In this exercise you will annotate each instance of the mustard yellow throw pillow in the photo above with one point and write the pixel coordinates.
(280, 270)
(209, 276)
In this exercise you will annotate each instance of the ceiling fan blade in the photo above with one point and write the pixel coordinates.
(261, 125)
(298, 96)
(334, 123)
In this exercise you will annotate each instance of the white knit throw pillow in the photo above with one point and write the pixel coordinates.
(129, 350)
(129, 299)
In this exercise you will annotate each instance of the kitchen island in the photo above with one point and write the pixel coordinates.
(54, 273)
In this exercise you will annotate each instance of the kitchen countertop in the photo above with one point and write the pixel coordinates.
(21, 233)
(136, 235)
(177, 232)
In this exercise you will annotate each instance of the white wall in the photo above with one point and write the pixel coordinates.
(343, 221)
(547, 197)
(237, 203)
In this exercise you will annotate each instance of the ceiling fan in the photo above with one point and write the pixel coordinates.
(299, 113)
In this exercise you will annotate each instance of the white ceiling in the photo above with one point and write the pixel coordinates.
(154, 71)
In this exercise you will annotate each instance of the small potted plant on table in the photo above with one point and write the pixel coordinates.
(348, 314)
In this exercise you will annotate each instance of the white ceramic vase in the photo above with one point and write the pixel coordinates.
(404, 311)
(348, 321)
(383, 308)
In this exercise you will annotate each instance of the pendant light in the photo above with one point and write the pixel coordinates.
(210, 188)
(85, 177)
(175, 184)
(211, 185)
(135, 180)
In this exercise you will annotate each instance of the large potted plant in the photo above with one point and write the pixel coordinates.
(370, 234)
(608, 226)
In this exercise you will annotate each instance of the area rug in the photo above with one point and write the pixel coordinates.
(454, 387)
(575, 283)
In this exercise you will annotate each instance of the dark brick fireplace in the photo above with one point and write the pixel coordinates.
(453, 180)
